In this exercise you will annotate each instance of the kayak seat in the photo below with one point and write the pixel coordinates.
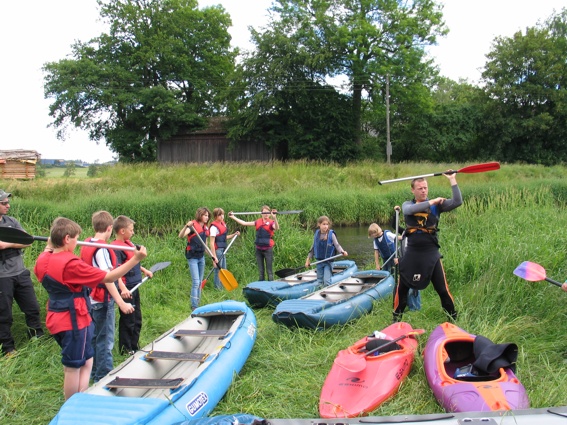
(216, 333)
(173, 355)
(352, 281)
(460, 354)
(145, 383)
(352, 288)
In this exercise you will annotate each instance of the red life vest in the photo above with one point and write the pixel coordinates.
(220, 239)
(88, 253)
(264, 234)
(62, 297)
(195, 249)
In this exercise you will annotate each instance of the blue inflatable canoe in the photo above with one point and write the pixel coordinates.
(336, 304)
(270, 293)
(180, 376)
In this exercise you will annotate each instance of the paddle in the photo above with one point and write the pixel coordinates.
(533, 272)
(223, 254)
(277, 212)
(227, 279)
(155, 268)
(288, 272)
(478, 168)
(355, 362)
(13, 235)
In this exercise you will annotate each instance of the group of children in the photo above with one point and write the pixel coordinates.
(197, 231)
(82, 292)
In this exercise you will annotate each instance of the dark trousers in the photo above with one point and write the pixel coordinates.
(439, 282)
(265, 256)
(130, 325)
(19, 288)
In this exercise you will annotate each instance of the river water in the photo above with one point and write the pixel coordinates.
(359, 246)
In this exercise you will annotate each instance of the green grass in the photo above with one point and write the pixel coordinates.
(509, 216)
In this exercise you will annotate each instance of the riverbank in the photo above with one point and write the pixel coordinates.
(506, 218)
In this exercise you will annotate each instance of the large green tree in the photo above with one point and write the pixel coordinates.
(361, 39)
(288, 106)
(447, 128)
(163, 66)
(526, 80)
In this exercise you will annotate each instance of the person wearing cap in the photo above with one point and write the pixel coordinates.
(15, 284)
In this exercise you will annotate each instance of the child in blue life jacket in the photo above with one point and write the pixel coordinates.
(384, 242)
(325, 245)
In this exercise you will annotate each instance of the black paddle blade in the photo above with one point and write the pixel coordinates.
(13, 235)
(159, 266)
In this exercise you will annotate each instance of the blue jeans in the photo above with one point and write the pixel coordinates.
(222, 264)
(414, 296)
(103, 339)
(197, 270)
(414, 300)
(324, 273)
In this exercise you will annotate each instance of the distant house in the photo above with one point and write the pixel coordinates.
(18, 164)
(211, 145)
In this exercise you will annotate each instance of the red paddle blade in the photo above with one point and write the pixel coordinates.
(532, 272)
(203, 283)
(480, 168)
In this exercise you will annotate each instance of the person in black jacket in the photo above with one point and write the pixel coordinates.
(15, 284)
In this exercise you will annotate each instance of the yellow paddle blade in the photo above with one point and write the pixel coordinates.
(227, 279)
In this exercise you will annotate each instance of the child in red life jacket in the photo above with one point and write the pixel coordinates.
(129, 325)
(195, 251)
(218, 237)
(265, 228)
(325, 245)
(102, 300)
(66, 278)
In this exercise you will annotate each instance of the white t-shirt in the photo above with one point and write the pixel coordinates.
(102, 261)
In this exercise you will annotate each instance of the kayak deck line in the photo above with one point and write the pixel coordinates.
(145, 383)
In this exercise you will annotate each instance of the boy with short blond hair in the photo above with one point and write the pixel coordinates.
(129, 325)
(67, 278)
(102, 300)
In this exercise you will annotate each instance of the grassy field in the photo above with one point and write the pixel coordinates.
(508, 216)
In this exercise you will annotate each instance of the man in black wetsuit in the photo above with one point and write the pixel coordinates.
(421, 262)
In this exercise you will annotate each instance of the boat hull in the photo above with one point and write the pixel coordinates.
(504, 392)
(204, 382)
(347, 393)
(336, 304)
(270, 293)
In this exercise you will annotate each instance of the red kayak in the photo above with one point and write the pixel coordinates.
(369, 372)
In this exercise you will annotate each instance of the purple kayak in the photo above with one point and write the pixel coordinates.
(448, 358)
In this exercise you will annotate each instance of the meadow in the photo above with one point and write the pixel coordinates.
(509, 216)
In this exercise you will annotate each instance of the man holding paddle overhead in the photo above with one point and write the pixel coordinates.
(421, 262)
(15, 284)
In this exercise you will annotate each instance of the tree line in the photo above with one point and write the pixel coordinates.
(166, 66)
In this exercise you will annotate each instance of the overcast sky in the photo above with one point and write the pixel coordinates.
(38, 31)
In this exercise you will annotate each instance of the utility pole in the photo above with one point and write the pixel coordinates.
(388, 142)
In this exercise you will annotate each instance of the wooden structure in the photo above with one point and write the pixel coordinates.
(211, 145)
(18, 164)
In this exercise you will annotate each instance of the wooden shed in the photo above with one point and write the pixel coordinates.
(18, 164)
(211, 145)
